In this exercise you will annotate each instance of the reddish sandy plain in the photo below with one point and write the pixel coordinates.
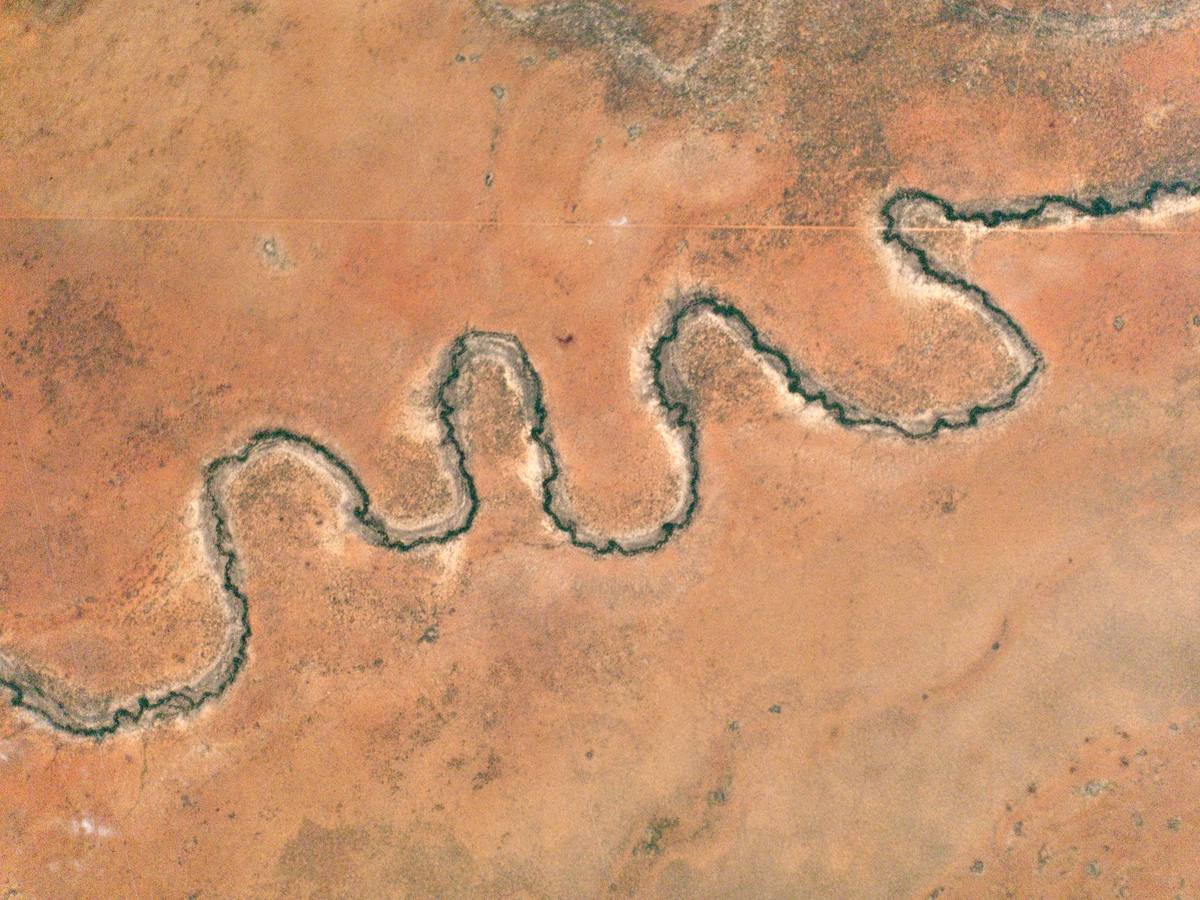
(930, 632)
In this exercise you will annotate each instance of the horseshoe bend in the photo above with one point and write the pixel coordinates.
(670, 397)
(668, 394)
(556, 448)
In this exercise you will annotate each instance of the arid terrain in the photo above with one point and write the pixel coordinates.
(592, 448)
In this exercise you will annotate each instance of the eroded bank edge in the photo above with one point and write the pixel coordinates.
(26, 687)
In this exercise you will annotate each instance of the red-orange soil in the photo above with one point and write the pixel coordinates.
(930, 631)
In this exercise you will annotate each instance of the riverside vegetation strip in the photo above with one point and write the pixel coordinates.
(98, 718)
